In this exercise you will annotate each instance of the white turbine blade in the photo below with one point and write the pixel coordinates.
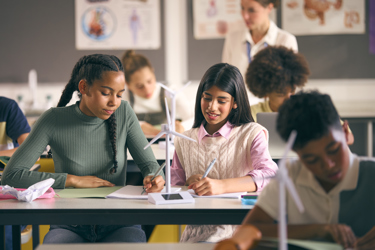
(183, 87)
(293, 192)
(182, 136)
(166, 88)
(161, 133)
(168, 115)
(288, 147)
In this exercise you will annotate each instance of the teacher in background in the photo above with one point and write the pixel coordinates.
(242, 44)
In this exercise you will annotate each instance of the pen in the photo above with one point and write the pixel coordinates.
(157, 173)
(209, 168)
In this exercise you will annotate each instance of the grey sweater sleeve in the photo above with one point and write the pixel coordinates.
(17, 172)
(136, 141)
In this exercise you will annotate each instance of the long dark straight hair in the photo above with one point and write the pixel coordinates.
(229, 79)
(91, 68)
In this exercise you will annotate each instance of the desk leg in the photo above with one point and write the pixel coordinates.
(35, 236)
(2, 237)
(16, 237)
(369, 138)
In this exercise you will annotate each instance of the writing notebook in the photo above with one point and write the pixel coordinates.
(227, 195)
(134, 192)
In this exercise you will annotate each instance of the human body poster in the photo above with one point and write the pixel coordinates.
(323, 17)
(215, 18)
(117, 24)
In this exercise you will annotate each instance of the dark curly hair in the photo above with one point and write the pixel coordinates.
(273, 69)
(265, 3)
(310, 113)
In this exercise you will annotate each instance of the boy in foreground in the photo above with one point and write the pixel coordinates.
(336, 187)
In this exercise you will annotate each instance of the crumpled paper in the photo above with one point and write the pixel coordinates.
(30, 194)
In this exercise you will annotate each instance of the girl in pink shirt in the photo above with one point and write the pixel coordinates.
(225, 130)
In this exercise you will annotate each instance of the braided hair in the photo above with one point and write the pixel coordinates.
(91, 68)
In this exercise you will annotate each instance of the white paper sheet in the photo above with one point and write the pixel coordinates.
(227, 195)
(134, 192)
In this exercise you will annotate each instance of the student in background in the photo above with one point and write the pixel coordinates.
(146, 97)
(14, 129)
(89, 141)
(336, 187)
(274, 74)
(259, 32)
(224, 129)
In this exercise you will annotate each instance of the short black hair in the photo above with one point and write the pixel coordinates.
(229, 79)
(310, 113)
(273, 69)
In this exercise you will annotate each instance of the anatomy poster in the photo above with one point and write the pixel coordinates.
(117, 24)
(319, 17)
(215, 18)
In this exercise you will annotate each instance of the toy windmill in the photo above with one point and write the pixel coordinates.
(284, 181)
(166, 129)
(173, 94)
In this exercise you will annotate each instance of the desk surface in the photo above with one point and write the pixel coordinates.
(121, 211)
(180, 246)
(133, 246)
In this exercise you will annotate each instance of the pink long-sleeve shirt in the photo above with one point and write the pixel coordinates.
(263, 165)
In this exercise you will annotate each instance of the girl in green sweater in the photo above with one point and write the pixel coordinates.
(89, 141)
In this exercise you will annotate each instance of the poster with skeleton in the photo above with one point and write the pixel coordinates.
(117, 24)
(323, 17)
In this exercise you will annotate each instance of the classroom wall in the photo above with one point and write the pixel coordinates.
(40, 35)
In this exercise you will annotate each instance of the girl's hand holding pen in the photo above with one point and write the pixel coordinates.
(154, 186)
(207, 186)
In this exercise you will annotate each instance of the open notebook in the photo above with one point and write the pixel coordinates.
(227, 195)
(134, 192)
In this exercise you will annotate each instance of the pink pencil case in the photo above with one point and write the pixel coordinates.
(50, 193)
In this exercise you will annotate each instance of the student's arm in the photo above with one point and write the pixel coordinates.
(148, 129)
(342, 234)
(17, 127)
(17, 173)
(178, 177)
(10, 152)
(208, 186)
(263, 167)
(135, 142)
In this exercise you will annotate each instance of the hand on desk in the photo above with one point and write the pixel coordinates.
(341, 234)
(86, 182)
(367, 241)
(148, 129)
(155, 185)
(205, 186)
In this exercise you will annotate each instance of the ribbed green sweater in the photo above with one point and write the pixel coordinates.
(80, 146)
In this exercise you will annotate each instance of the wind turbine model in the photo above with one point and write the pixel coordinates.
(173, 94)
(284, 180)
(158, 198)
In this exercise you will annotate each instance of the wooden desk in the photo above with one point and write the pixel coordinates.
(61, 211)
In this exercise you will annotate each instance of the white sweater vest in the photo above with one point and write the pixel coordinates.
(233, 160)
